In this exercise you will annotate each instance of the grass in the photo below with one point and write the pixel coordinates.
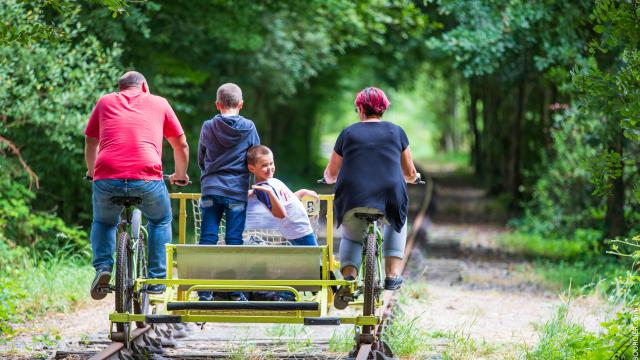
(34, 284)
(406, 337)
(560, 339)
(459, 159)
(584, 276)
(295, 337)
(342, 340)
(534, 245)
(461, 346)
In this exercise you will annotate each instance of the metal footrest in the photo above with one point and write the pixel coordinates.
(322, 321)
(243, 305)
(163, 319)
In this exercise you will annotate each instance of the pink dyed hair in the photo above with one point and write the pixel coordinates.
(373, 101)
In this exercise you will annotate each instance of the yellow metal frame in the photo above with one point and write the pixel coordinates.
(324, 297)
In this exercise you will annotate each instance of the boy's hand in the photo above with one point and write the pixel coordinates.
(305, 192)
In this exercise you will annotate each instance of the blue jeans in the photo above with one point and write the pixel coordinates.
(155, 206)
(213, 207)
(307, 240)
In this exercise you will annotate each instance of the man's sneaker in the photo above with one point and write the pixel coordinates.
(100, 285)
(393, 283)
(156, 289)
(237, 296)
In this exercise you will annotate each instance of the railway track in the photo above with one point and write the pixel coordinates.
(224, 341)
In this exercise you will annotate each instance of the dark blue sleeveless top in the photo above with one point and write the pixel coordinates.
(371, 174)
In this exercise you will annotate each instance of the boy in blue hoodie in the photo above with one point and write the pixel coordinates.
(222, 157)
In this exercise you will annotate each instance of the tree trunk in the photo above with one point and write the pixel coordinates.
(615, 225)
(515, 149)
(476, 157)
(545, 115)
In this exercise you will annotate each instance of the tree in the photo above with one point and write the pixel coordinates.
(49, 89)
(609, 89)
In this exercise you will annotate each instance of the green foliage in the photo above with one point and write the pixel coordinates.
(583, 243)
(562, 339)
(51, 88)
(34, 283)
(580, 276)
(43, 232)
(605, 167)
(608, 87)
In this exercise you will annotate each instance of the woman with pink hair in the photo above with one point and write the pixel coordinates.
(371, 164)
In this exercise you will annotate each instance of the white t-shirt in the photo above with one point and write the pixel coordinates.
(295, 225)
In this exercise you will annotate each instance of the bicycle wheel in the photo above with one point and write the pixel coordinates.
(370, 270)
(124, 270)
(141, 299)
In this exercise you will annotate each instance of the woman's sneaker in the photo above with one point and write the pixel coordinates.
(100, 285)
(341, 299)
(393, 283)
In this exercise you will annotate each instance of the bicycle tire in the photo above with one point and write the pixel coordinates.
(369, 307)
(136, 222)
(141, 299)
(123, 278)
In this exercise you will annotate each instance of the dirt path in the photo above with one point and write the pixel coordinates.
(475, 301)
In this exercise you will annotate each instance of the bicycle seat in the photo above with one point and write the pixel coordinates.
(126, 201)
(368, 217)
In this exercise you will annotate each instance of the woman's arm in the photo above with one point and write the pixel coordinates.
(333, 168)
(408, 168)
(277, 209)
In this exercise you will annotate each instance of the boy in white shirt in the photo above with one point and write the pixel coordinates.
(272, 205)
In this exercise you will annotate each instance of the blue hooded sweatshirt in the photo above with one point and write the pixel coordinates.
(222, 155)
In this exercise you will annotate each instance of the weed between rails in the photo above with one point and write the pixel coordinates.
(296, 338)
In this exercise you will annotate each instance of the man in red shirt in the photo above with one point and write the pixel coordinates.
(123, 151)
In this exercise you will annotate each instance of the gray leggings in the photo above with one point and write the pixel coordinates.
(353, 233)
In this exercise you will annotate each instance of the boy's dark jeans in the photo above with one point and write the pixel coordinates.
(213, 207)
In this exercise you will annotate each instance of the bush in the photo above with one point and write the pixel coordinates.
(42, 232)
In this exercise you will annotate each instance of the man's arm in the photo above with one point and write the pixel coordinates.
(181, 159)
(90, 153)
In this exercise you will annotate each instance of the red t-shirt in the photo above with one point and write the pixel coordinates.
(130, 125)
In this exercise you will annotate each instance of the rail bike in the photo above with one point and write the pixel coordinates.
(265, 263)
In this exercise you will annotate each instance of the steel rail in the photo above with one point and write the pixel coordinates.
(366, 350)
(111, 351)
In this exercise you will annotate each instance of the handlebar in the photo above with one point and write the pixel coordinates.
(418, 181)
(177, 182)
